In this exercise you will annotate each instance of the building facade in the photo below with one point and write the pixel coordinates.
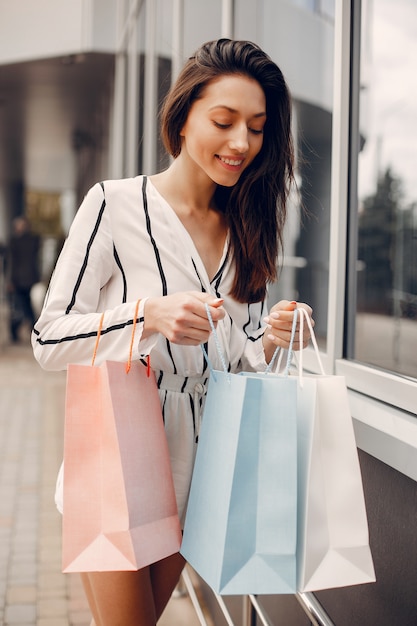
(81, 83)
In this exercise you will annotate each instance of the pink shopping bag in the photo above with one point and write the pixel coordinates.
(120, 510)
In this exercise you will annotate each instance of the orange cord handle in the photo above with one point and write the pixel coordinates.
(100, 326)
(129, 361)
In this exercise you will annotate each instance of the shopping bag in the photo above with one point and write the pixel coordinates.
(333, 540)
(120, 510)
(240, 527)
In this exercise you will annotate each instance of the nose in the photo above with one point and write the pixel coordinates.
(239, 139)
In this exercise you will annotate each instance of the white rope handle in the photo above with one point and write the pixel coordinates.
(290, 349)
(269, 366)
(305, 315)
(218, 346)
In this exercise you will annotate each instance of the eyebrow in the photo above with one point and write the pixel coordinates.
(224, 106)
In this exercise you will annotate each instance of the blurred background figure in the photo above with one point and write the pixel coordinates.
(23, 273)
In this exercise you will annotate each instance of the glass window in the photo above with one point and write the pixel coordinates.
(327, 7)
(305, 4)
(302, 43)
(385, 332)
(202, 22)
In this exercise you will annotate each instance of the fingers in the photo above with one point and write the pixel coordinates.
(200, 327)
(280, 321)
(216, 309)
(182, 317)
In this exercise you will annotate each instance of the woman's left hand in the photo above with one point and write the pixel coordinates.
(279, 325)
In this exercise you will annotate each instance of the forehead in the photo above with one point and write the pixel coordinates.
(234, 91)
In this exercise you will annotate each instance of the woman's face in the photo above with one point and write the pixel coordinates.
(224, 128)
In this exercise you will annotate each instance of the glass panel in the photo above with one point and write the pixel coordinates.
(386, 320)
(327, 7)
(202, 22)
(305, 4)
(290, 37)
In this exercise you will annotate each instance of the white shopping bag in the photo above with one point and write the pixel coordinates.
(333, 540)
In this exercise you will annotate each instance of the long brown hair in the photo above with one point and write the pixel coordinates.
(256, 207)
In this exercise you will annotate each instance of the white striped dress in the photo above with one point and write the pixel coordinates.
(127, 243)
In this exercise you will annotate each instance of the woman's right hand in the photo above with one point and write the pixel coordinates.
(182, 317)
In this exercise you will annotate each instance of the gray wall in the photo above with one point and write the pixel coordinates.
(391, 501)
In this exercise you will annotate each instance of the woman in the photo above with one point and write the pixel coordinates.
(206, 230)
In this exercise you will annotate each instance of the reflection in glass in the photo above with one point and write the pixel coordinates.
(302, 42)
(386, 322)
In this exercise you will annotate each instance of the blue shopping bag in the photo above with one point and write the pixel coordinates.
(241, 525)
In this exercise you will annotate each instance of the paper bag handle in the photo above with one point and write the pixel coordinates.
(305, 315)
(100, 327)
(271, 362)
(290, 348)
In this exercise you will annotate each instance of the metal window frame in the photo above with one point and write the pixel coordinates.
(177, 38)
(252, 608)
(339, 185)
(124, 122)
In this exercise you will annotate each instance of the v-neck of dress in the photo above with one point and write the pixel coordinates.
(189, 242)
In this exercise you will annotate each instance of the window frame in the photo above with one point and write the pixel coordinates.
(383, 404)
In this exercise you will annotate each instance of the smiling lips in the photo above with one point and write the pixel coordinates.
(230, 162)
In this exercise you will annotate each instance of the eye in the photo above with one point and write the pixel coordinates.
(223, 126)
(256, 131)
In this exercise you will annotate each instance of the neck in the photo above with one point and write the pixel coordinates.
(188, 187)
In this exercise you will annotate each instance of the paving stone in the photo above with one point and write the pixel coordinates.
(21, 594)
(52, 607)
(20, 613)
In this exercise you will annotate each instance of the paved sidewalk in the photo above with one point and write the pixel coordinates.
(33, 591)
(32, 588)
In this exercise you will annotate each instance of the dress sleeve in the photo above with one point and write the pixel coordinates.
(67, 327)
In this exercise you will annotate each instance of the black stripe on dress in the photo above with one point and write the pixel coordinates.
(251, 337)
(119, 265)
(157, 257)
(104, 331)
(155, 247)
(87, 254)
(219, 275)
(191, 399)
(203, 289)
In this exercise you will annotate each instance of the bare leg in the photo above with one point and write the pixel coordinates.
(132, 598)
(165, 575)
(91, 602)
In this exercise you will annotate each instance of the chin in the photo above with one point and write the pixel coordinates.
(227, 181)
(228, 184)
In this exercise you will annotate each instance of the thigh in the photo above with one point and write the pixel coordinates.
(121, 598)
(165, 575)
(91, 602)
